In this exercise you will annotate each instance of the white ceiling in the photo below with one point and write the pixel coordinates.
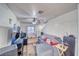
(25, 11)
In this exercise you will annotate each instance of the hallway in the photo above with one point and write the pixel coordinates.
(39, 29)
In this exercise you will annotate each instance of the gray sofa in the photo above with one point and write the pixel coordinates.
(46, 50)
(9, 51)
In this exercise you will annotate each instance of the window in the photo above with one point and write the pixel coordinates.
(30, 30)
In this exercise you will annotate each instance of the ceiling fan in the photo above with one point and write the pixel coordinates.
(34, 16)
(35, 19)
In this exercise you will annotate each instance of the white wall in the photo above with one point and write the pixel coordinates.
(5, 14)
(62, 24)
(3, 37)
(24, 26)
(65, 23)
(78, 30)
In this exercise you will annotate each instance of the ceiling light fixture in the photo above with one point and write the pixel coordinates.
(40, 11)
(34, 21)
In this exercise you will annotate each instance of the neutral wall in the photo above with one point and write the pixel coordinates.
(3, 36)
(5, 14)
(63, 25)
(66, 23)
(78, 29)
(24, 26)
